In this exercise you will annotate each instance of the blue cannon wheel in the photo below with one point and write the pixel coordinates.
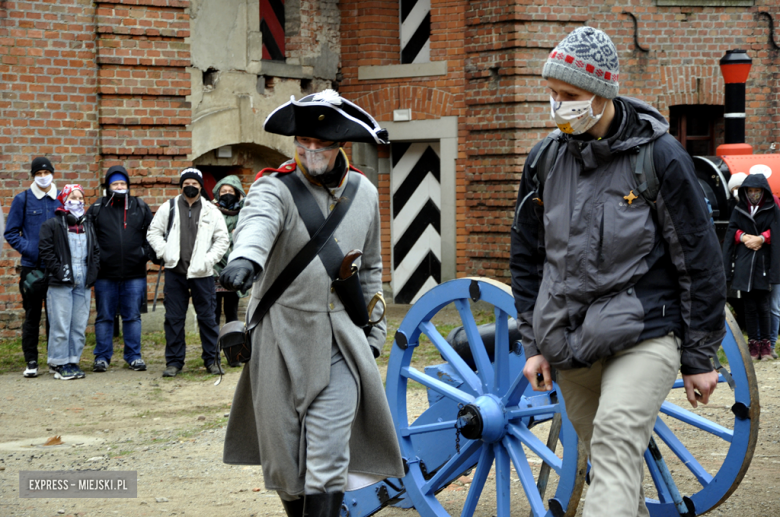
(698, 485)
(479, 420)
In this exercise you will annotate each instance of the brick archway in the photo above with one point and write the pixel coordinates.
(690, 85)
(426, 103)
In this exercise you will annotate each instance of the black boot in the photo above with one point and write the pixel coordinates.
(323, 505)
(293, 508)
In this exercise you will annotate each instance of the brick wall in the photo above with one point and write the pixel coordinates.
(142, 82)
(48, 106)
(495, 51)
(90, 85)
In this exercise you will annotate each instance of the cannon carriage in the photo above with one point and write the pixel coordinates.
(516, 445)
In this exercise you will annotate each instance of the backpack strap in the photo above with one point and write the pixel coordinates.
(171, 215)
(544, 161)
(644, 171)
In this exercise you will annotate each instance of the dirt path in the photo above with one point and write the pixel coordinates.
(171, 432)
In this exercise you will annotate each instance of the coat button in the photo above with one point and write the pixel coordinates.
(331, 306)
(630, 290)
(332, 289)
(331, 207)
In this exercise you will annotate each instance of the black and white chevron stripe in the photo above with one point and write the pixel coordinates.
(415, 31)
(416, 229)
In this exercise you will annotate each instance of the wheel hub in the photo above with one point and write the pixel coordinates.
(484, 419)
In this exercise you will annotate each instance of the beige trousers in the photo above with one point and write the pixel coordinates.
(613, 406)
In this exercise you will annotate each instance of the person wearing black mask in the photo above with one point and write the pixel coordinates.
(229, 199)
(120, 221)
(190, 246)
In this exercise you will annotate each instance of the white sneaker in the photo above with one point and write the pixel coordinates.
(31, 370)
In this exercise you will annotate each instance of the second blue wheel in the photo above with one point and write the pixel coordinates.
(704, 453)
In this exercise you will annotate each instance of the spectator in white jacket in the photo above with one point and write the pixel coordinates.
(197, 238)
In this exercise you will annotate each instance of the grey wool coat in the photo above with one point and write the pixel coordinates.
(291, 347)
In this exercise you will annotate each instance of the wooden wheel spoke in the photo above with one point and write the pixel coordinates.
(478, 481)
(529, 439)
(455, 465)
(451, 356)
(677, 447)
(503, 479)
(436, 385)
(695, 420)
(427, 428)
(501, 352)
(477, 346)
(520, 461)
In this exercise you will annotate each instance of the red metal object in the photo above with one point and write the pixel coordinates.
(767, 164)
(732, 149)
(735, 72)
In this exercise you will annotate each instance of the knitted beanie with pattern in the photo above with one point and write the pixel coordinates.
(588, 59)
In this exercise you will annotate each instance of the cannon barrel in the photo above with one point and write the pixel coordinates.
(487, 332)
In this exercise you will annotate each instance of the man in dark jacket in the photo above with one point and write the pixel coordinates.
(120, 221)
(29, 210)
(613, 290)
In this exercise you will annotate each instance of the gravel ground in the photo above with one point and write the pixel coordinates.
(171, 432)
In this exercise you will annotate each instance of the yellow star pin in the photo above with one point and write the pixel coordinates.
(630, 197)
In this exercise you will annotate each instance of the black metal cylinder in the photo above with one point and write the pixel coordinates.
(735, 67)
(734, 113)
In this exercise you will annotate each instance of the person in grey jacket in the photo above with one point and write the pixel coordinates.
(310, 405)
(615, 291)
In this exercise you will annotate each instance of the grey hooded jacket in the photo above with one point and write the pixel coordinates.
(291, 347)
(596, 271)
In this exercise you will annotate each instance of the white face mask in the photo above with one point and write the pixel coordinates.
(44, 181)
(316, 161)
(75, 207)
(574, 117)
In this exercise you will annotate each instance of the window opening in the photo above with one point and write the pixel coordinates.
(698, 127)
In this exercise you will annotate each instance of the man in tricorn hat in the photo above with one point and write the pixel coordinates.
(310, 405)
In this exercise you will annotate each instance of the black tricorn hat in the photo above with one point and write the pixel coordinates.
(327, 116)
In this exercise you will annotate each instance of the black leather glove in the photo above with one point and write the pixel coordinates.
(239, 275)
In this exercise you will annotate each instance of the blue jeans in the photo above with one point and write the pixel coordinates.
(126, 296)
(68, 313)
(775, 320)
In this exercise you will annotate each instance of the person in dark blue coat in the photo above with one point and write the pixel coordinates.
(120, 221)
(29, 210)
(750, 250)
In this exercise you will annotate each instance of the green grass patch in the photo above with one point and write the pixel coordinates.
(152, 349)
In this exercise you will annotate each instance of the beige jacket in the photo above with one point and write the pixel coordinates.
(210, 245)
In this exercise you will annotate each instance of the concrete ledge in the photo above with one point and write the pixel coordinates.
(277, 69)
(368, 73)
